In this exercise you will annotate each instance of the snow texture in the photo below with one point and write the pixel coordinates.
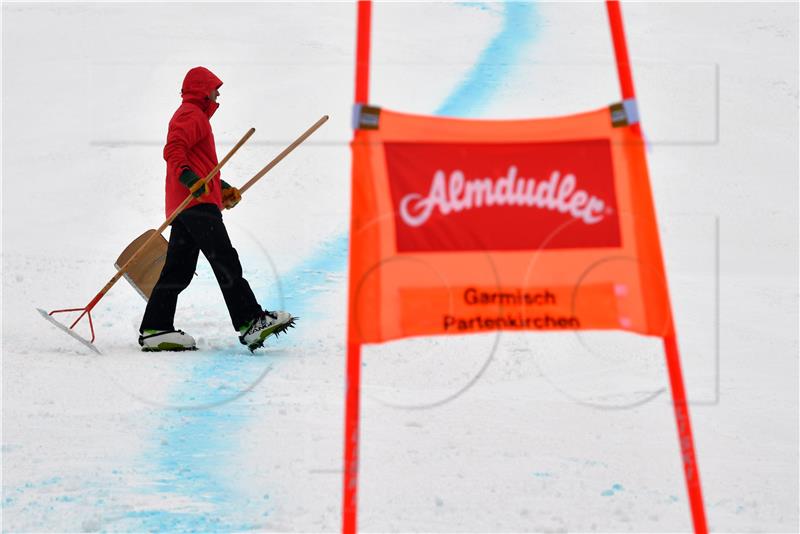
(483, 433)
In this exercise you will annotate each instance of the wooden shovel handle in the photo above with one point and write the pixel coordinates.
(305, 135)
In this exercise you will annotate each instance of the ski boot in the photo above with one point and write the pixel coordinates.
(171, 340)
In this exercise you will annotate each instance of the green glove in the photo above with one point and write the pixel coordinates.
(189, 178)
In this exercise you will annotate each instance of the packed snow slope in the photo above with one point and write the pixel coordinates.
(485, 433)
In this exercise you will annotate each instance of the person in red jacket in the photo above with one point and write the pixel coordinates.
(190, 155)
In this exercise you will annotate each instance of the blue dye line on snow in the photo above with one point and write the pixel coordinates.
(190, 453)
(616, 488)
(495, 63)
(188, 462)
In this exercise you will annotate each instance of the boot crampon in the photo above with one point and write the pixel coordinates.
(264, 325)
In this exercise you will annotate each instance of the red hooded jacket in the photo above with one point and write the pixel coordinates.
(190, 141)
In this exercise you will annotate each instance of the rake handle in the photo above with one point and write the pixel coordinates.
(305, 135)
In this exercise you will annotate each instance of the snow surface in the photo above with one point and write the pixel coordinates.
(495, 432)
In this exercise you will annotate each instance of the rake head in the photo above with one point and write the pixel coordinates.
(69, 329)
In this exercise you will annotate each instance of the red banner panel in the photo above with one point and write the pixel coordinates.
(487, 196)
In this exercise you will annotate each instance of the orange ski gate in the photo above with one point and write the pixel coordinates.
(463, 226)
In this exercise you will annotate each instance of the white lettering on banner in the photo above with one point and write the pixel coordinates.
(559, 193)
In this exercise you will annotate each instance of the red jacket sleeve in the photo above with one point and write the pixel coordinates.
(186, 128)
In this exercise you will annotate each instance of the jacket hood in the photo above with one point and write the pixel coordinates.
(197, 85)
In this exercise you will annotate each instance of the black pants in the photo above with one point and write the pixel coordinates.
(199, 228)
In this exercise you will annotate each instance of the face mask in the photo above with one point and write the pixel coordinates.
(212, 107)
